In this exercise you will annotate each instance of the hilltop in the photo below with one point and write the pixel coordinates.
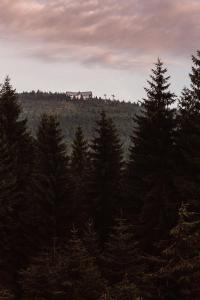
(72, 113)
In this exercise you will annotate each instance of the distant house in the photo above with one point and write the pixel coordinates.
(79, 95)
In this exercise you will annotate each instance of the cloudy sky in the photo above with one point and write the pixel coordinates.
(107, 46)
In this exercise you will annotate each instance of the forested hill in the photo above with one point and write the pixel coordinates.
(73, 113)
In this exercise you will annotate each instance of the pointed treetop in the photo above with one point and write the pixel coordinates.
(158, 90)
(195, 77)
(6, 86)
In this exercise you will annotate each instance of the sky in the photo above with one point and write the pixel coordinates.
(106, 46)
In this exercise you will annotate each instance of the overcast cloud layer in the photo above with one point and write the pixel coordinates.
(113, 33)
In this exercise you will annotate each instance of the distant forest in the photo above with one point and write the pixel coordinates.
(87, 221)
(73, 113)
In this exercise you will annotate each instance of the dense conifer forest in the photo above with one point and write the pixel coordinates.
(86, 218)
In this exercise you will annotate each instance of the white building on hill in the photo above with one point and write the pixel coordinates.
(79, 95)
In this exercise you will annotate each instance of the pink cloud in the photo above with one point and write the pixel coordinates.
(119, 34)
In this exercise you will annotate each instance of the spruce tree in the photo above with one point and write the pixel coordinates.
(188, 139)
(106, 159)
(79, 170)
(151, 161)
(8, 198)
(16, 133)
(52, 180)
(83, 273)
(8, 184)
(179, 275)
(121, 257)
(16, 164)
(195, 78)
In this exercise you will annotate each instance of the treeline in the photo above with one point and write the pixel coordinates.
(55, 96)
(91, 225)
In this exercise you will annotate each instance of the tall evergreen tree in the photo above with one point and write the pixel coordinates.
(188, 139)
(8, 183)
(83, 273)
(195, 78)
(120, 258)
(151, 162)
(16, 154)
(15, 131)
(52, 180)
(179, 275)
(106, 158)
(8, 198)
(79, 170)
(58, 274)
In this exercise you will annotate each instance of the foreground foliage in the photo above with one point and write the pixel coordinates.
(90, 224)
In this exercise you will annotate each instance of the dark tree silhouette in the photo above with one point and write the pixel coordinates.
(83, 273)
(52, 181)
(79, 170)
(121, 256)
(15, 131)
(106, 159)
(178, 276)
(151, 162)
(8, 198)
(16, 153)
(188, 139)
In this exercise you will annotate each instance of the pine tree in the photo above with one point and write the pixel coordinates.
(15, 131)
(151, 162)
(85, 278)
(79, 158)
(121, 257)
(106, 159)
(52, 180)
(195, 79)
(79, 170)
(7, 176)
(8, 196)
(16, 170)
(188, 139)
(179, 276)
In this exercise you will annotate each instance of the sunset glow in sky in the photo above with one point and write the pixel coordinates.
(107, 46)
